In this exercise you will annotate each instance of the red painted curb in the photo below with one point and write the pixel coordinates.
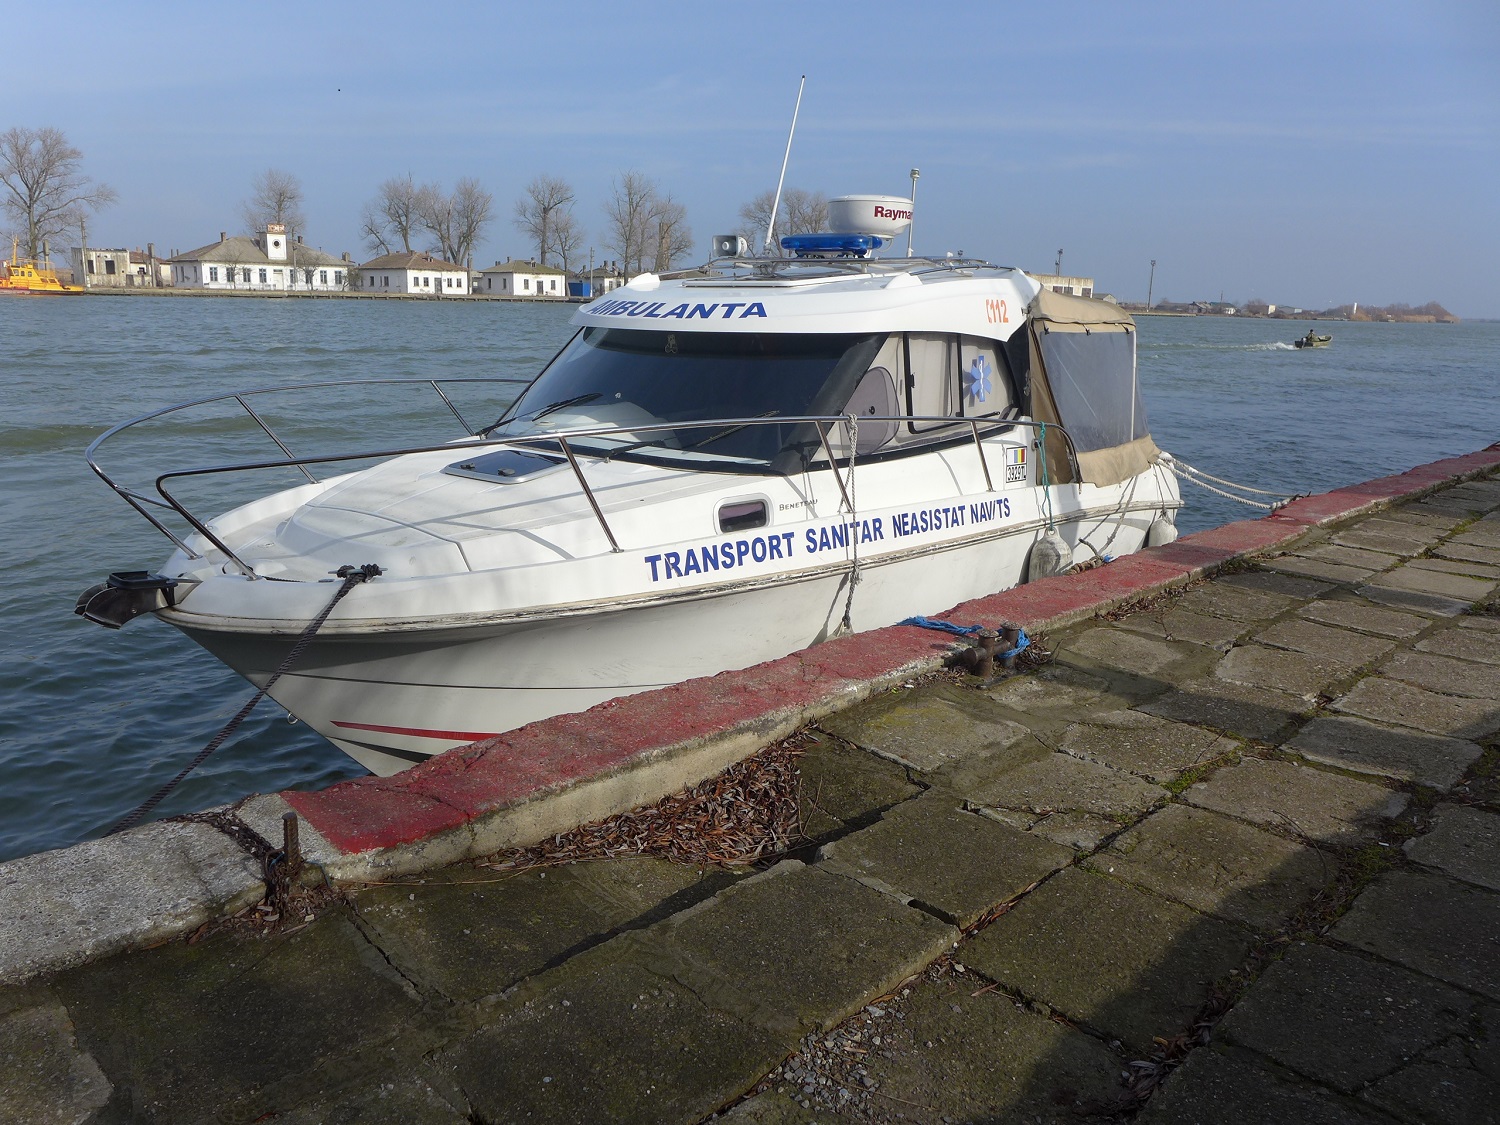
(449, 791)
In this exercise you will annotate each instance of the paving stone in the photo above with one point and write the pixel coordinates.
(1443, 928)
(1485, 533)
(1219, 600)
(1445, 674)
(1435, 604)
(1424, 580)
(1454, 506)
(1366, 618)
(603, 1038)
(467, 939)
(983, 1058)
(1386, 523)
(1480, 622)
(1270, 582)
(44, 1077)
(841, 786)
(1345, 1020)
(398, 1099)
(1065, 799)
(1464, 843)
(1217, 865)
(1129, 964)
(1215, 1088)
(1300, 800)
(1238, 709)
(1389, 543)
(795, 948)
(1372, 561)
(1405, 755)
(1418, 516)
(1173, 624)
(926, 729)
(954, 862)
(1147, 745)
(1324, 642)
(1468, 567)
(1123, 649)
(773, 1107)
(1469, 552)
(1053, 689)
(1457, 1081)
(227, 1013)
(1321, 568)
(1297, 673)
(1391, 701)
(1464, 642)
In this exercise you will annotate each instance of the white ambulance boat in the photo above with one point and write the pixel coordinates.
(715, 471)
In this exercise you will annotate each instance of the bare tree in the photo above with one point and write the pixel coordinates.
(457, 221)
(45, 193)
(547, 199)
(628, 215)
(275, 197)
(806, 211)
(567, 236)
(801, 212)
(670, 231)
(394, 214)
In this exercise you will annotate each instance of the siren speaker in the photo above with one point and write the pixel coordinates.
(730, 246)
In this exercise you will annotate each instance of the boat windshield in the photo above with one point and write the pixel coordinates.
(628, 378)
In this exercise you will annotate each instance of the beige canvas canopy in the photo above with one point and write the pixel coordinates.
(1083, 377)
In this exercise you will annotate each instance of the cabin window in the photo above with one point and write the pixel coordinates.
(742, 515)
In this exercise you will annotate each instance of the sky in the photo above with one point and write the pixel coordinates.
(1307, 154)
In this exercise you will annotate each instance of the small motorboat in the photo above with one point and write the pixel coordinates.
(26, 276)
(715, 471)
(1312, 340)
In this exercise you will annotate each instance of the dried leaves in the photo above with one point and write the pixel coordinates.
(745, 814)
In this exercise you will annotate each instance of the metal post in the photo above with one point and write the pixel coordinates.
(1057, 266)
(916, 174)
(1150, 285)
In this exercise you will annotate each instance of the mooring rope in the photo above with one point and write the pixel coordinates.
(352, 576)
(847, 625)
(1186, 472)
(1046, 480)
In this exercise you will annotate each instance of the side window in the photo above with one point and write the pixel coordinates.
(984, 378)
(931, 379)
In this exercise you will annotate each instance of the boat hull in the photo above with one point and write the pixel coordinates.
(391, 698)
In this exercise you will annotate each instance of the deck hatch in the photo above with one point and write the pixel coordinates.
(506, 466)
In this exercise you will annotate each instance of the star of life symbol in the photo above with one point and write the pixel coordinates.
(977, 380)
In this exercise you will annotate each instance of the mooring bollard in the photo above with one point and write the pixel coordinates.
(1009, 636)
(291, 848)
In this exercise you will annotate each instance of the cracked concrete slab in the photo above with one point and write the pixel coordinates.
(1217, 865)
(1464, 842)
(1470, 568)
(1457, 1080)
(933, 852)
(1148, 746)
(1303, 802)
(1324, 642)
(1405, 755)
(1066, 799)
(1445, 674)
(1422, 602)
(1464, 641)
(1219, 600)
(1270, 582)
(1237, 709)
(1122, 649)
(841, 786)
(1216, 1086)
(1128, 964)
(1296, 673)
(1425, 580)
(1172, 624)
(45, 1079)
(1366, 618)
(1446, 929)
(1345, 1020)
(927, 728)
(1301, 564)
(1391, 701)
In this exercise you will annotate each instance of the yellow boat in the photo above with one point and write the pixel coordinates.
(26, 276)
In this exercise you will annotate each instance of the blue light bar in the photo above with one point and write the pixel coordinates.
(851, 245)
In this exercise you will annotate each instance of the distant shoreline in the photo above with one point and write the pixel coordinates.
(279, 295)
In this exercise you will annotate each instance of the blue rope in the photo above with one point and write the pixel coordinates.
(1023, 642)
(945, 626)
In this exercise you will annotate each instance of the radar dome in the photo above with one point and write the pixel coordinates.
(881, 215)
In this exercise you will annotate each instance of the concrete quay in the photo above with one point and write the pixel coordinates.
(1232, 854)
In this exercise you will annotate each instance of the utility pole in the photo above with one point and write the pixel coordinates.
(1057, 265)
(1150, 284)
(916, 174)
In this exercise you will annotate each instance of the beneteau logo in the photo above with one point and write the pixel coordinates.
(883, 212)
(651, 310)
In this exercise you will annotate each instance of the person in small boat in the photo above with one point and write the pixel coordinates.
(1310, 339)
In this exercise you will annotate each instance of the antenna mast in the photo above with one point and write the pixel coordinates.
(776, 203)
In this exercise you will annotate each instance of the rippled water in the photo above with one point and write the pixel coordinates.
(92, 721)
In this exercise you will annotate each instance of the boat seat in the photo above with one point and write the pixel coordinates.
(874, 398)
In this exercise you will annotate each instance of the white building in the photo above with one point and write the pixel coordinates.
(413, 273)
(1063, 283)
(523, 279)
(269, 262)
